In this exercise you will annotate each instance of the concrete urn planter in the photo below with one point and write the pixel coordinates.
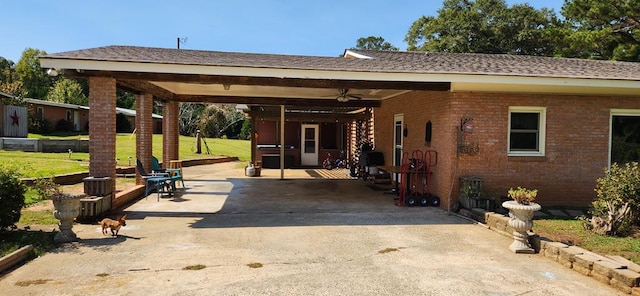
(67, 208)
(521, 219)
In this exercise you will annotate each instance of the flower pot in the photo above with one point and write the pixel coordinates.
(521, 220)
(67, 208)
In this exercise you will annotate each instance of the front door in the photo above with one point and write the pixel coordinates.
(309, 145)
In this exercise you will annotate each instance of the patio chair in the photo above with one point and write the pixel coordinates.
(161, 182)
(155, 166)
(176, 175)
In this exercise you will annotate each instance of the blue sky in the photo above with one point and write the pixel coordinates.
(311, 27)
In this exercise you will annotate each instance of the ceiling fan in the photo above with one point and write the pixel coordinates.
(344, 96)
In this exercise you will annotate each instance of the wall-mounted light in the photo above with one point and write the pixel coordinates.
(226, 86)
(52, 72)
(405, 131)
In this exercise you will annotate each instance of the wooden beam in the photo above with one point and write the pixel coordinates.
(276, 101)
(265, 81)
(141, 86)
(322, 117)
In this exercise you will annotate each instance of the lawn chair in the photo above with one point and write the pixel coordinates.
(155, 166)
(176, 175)
(161, 182)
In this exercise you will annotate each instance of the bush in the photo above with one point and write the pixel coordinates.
(11, 195)
(617, 207)
(39, 126)
(64, 126)
(123, 125)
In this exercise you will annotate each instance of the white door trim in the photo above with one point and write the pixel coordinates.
(309, 146)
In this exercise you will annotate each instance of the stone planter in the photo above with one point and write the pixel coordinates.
(521, 219)
(67, 208)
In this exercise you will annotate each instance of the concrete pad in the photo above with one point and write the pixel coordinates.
(264, 236)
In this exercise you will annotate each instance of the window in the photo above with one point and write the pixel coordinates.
(40, 113)
(526, 131)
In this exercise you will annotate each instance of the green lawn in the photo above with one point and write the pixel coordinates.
(38, 164)
(572, 232)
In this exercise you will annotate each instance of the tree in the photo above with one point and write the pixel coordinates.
(189, 117)
(607, 30)
(35, 81)
(125, 99)
(485, 26)
(68, 91)
(374, 43)
(217, 120)
(9, 82)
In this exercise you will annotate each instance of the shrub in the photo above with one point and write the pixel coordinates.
(123, 125)
(11, 195)
(616, 208)
(39, 126)
(64, 126)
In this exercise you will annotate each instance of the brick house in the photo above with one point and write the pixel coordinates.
(78, 115)
(547, 123)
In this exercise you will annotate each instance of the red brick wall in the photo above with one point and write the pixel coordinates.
(577, 141)
(102, 127)
(54, 114)
(418, 108)
(144, 132)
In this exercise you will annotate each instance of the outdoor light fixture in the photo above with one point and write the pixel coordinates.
(342, 99)
(52, 72)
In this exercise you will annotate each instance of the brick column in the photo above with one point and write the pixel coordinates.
(170, 132)
(102, 127)
(144, 132)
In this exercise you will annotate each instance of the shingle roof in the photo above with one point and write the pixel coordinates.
(381, 61)
(504, 64)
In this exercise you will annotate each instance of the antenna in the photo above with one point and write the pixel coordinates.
(182, 40)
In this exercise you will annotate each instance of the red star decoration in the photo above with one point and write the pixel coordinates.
(15, 118)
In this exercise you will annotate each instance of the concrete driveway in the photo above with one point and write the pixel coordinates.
(264, 236)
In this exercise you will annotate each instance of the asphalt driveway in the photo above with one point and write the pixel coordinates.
(226, 234)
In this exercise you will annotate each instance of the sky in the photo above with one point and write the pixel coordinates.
(297, 27)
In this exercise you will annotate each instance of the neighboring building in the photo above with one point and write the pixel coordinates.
(78, 115)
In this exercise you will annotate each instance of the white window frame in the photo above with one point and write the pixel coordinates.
(618, 112)
(542, 127)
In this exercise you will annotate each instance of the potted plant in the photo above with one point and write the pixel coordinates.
(521, 210)
(66, 208)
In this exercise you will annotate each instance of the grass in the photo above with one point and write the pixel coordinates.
(572, 232)
(39, 164)
(42, 217)
(11, 241)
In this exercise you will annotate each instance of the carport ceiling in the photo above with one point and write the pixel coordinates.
(224, 77)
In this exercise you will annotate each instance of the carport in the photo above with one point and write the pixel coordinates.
(173, 76)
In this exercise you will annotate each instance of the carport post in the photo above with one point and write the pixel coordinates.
(281, 142)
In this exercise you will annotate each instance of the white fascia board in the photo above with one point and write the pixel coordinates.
(460, 82)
